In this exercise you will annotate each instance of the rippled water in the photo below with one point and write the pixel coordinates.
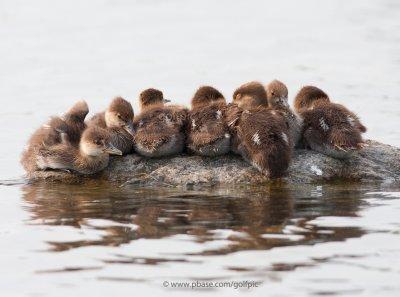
(283, 240)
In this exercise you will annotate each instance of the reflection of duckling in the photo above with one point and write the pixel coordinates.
(277, 93)
(262, 133)
(159, 128)
(329, 128)
(208, 133)
(118, 120)
(91, 156)
(67, 128)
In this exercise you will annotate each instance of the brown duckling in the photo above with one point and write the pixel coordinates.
(277, 94)
(328, 128)
(159, 127)
(261, 132)
(118, 121)
(248, 96)
(67, 128)
(90, 157)
(207, 130)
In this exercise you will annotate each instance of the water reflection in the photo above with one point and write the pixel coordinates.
(245, 218)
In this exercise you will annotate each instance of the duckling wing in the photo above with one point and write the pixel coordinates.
(207, 125)
(58, 156)
(329, 125)
(264, 137)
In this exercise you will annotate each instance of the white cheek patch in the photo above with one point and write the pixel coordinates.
(323, 124)
(351, 120)
(256, 138)
(218, 114)
(168, 121)
(285, 138)
(227, 135)
(194, 124)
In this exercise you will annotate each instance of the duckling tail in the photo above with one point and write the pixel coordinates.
(345, 139)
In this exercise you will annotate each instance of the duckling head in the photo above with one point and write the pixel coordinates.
(250, 96)
(95, 142)
(119, 114)
(78, 111)
(206, 95)
(150, 98)
(308, 97)
(277, 94)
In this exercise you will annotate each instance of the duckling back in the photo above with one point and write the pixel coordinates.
(265, 142)
(160, 131)
(57, 130)
(207, 130)
(333, 130)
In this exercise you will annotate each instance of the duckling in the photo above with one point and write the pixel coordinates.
(159, 127)
(262, 135)
(264, 141)
(207, 131)
(277, 94)
(118, 121)
(248, 96)
(90, 157)
(328, 128)
(65, 129)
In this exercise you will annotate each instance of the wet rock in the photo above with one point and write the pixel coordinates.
(377, 162)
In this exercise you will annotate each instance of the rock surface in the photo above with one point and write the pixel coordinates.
(377, 162)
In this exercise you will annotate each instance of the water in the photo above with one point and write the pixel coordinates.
(286, 240)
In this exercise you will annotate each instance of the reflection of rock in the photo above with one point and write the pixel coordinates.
(376, 162)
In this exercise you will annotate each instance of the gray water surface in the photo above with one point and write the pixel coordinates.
(104, 240)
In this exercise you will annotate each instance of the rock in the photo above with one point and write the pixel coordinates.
(377, 162)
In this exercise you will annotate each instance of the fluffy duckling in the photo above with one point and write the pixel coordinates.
(65, 129)
(248, 96)
(207, 131)
(90, 157)
(159, 127)
(277, 94)
(264, 141)
(261, 133)
(328, 128)
(118, 121)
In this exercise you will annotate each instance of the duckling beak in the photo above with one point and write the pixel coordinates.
(166, 100)
(112, 150)
(130, 129)
(284, 101)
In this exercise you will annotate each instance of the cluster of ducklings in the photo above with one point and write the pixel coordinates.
(259, 125)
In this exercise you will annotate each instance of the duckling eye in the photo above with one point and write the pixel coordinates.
(119, 116)
(97, 141)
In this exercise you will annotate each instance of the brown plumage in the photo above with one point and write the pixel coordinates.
(328, 128)
(260, 134)
(91, 156)
(307, 95)
(277, 94)
(264, 141)
(207, 130)
(159, 128)
(118, 121)
(250, 95)
(65, 129)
